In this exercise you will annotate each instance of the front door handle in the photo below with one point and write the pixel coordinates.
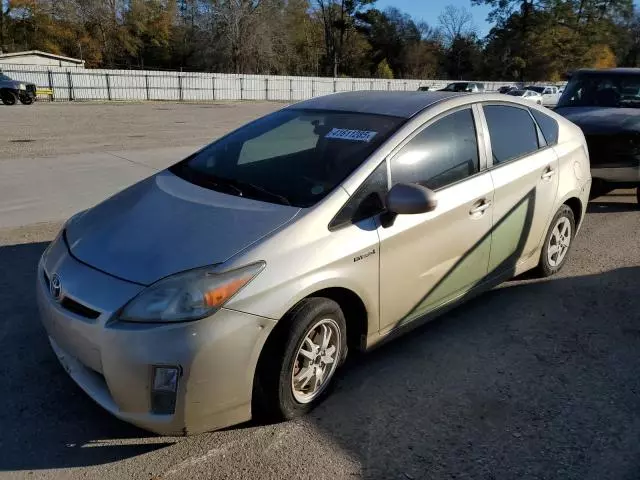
(548, 173)
(479, 207)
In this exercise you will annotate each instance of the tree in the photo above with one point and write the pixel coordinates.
(338, 19)
(455, 23)
(462, 49)
(383, 70)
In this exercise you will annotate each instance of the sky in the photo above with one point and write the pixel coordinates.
(428, 10)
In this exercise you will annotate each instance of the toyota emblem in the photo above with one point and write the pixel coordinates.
(55, 287)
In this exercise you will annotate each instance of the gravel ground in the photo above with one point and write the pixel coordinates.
(534, 380)
(45, 129)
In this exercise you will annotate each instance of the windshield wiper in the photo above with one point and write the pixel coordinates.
(226, 185)
(256, 190)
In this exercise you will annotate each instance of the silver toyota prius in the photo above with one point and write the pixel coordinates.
(234, 283)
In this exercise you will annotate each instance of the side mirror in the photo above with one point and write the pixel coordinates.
(407, 199)
(410, 198)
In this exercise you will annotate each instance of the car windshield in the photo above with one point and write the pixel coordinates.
(602, 90)
(292, 157)
(516, 93)
(4, 78)
(535, 89)
(456, 87)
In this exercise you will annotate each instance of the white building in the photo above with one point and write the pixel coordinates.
(36, 57)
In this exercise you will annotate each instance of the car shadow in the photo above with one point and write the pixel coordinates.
(535, 380)
(46, 420)
(612, 207)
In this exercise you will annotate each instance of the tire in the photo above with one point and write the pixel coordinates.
(26, 99)
(275, 397)
(551, 263)
(8, 97)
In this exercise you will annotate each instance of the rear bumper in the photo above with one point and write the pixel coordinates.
(113, 361)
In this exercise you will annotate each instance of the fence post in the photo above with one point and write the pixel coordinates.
(353, 85)
(388, 85)
(106, 76)
(70, 84)
(313, 87)
(291, 89)
(180, 95)
(241, 88)
(50, 78)
(146, 85)
(213, 86)
(370, 84)
(405, 86)
(266, 88)
(335, 86)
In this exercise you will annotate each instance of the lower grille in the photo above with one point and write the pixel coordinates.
(615, 150)
(79, 309)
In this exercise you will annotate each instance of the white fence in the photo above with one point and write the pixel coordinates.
(70, 84)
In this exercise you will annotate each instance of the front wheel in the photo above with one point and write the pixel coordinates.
(299, 363)
(8, 97)
(557, 242)
(26, 99)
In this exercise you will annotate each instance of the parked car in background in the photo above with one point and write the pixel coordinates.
(507, 88)
(528, 95)
(235, 282)
(606, 105)
(550, 94)
(12, 91)
(472, 87)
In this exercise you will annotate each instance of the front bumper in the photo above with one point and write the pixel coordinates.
(113, 361)
(619, 174)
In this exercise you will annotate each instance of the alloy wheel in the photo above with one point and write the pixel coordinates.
(559, 242)
(315, 361)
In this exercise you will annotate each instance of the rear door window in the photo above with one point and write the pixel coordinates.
(512, 132)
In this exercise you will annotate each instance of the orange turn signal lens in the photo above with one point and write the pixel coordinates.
(218, 296)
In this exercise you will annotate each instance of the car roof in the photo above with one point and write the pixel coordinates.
(605, 71)
(397, 104)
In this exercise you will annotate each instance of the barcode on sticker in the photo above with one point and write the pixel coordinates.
(353, 135)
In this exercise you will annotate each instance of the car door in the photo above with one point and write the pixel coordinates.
(524, 172)
(428, 259)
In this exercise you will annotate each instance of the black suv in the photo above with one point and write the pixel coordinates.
(605, 104)
(12, 90)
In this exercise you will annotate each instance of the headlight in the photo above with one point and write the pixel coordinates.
(22, 86)
(189, 295)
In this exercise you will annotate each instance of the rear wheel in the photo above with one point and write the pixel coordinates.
(557, 242)
(8, 97)
(299, 363)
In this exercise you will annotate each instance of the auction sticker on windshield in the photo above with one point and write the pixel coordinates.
(353, 135)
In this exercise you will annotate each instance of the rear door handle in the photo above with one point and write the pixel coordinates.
(479, 207)
(548, 173)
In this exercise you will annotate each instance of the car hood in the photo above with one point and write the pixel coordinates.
(164, 225)
(602, 120)
(10, 84)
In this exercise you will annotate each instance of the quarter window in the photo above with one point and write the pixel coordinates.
(512, 132)
(443, 153)
(548, 126)
(366, 202)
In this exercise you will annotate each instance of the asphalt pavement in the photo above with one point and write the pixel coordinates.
(537, 379)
